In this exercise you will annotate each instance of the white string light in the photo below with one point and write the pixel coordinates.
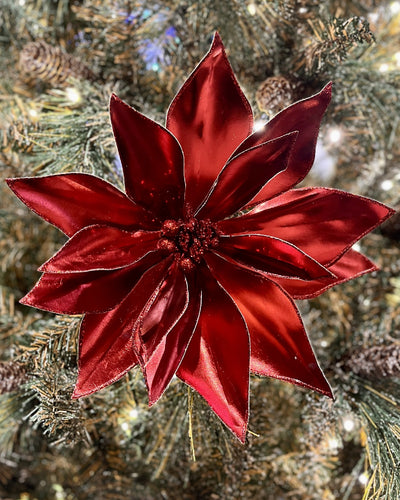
(387, 185)
(395, 7)
(363, 479)
(258, 125)
(252, 9)
(73, 95)
(348, 424)
(384, 67)
(334, 135)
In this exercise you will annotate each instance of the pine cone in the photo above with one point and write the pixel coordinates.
(41, 61)
(376, 362)
(274, 94)
(12, 375)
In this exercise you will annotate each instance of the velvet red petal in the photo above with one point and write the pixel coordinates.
(216, 363)
(91, 291)
(106, 343)
(161, 313)
(73, 201)
(101, 248)
(305, 117)
(210, 117)
(351, 265)
(271, 255)
(168, 355)
(279, 344)
(152, 161)
(243, 177)
(322, 222)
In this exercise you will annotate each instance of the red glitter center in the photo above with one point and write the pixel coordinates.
(188, 240)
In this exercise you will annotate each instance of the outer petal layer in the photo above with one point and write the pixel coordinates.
(168, 355)
(163, 310)
(106, 343)
(92, 291)
(101, 248)
(210, 117)
(271, 255)
(322, 222)
(351, 265)
(73, 201)
(152, 161)
(279, 344)
(243, 177)
(305, 117)
(216, 363)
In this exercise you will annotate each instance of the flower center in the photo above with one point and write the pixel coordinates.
(188, 240)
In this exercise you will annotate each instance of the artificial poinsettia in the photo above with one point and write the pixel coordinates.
(167, 276)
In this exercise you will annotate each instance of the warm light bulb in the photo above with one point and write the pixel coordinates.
(397, 58)
(73, 95)
(363, 478)
(334, 135)
(387, 185)
(258, 125)
(252, 9)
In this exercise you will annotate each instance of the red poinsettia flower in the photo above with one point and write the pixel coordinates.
(164, 274)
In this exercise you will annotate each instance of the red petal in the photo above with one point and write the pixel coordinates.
(351, 265)
(152, 161)
(305, 117)
(73, 201)
(322, 222)
(161, 313)
(101, 248)
(91, 291)
(216, 363)
(210, 117)
(106, 344)
(169, 353)
(279, 344)
(243, 177)
(271, 255)
(104, 356)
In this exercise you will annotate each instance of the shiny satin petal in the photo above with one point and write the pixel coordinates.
(305, 117)
(216, 364)
(106, 343)
(73, 201)
(210, 117)
(91, 291)
(152, 161)
(322, 222)
(271, 255)
(104, 357)
(101, 248)
(279, 344)
(351, 265)
(163, 310)
(243, 177)
(168, 355)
